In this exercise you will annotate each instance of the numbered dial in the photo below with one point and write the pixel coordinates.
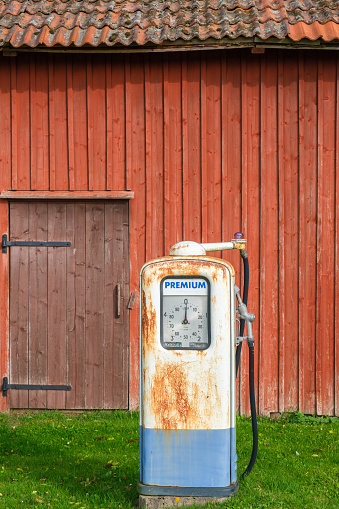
(185, 319)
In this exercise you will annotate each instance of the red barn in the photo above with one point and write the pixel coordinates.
(128, 126)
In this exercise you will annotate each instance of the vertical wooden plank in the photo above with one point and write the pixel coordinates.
(172, 151)
(39, 122)
(336, 238)
(4, 306)
(116, 118)
(154, 156)
(19, 303)
(95, 303)
(61, 163)
(5, 124)
(231, 159)
(37, 320)
(56, 304)
(96, 111)
(325, 236)
(191, 148)
(269, 306)
(288, 231)
(251, 203)
(21, 138)
(231, 153)
(77, 118)
(135, 159)
(211, 148)
(115, 341)
(307, 217)
(76, 301)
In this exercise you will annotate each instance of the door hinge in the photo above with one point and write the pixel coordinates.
(29, 243)
(6, 386)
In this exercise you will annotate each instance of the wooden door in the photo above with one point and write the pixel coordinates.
(68, 305)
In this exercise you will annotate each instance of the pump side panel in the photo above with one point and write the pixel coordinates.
(188, 396)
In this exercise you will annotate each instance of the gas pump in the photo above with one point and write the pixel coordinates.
(189, 308)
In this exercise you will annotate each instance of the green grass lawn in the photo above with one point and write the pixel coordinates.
(91, 460)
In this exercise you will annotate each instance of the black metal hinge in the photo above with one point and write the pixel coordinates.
(6, 386)
(7, 243)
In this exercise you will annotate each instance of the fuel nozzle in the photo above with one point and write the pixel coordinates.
(243, 314)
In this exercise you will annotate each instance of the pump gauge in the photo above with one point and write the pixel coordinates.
(185, 313)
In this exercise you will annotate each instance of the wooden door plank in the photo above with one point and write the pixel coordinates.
(308, 219)
(269, 230)
(39, 122)
(116, 118)
(5, 125)
(57, 372)
(250, 204)
(4, 308)
(19, 304)
(115, 342)
(325, 236)
(76, 301)
(154, 156)
(38, 331)
(288, 232)
(96, 114)
(95, 281)
(172, 152)
(61, 162)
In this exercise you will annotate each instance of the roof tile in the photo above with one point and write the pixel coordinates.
(108, 22)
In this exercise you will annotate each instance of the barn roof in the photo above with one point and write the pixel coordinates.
(52, 23)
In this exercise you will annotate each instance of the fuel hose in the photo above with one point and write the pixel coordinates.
(250, 344)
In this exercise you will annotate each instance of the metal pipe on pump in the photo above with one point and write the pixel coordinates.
(188, 372)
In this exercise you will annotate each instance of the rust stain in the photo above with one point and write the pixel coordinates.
(148, 322)
(173, 397)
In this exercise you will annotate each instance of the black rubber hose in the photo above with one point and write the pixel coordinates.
(244, 299)
(253, 410)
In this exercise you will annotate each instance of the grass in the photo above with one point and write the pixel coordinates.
(91, 460)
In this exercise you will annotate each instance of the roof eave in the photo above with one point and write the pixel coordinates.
(180, 45)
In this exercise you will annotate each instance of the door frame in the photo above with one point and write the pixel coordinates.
(5, 198)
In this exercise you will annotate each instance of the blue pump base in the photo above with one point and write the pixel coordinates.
(184, 491)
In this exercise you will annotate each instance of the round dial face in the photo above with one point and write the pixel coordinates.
(185, 313)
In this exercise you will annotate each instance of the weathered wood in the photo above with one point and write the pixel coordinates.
(38, 306)
(154, 157)
(288, 232)
(76, 304)
(71, 195)
(5, 125)
(172, 152)
(96, 114)
(4, 307)
(116, 120)
(325, 308)
(136, 177)
(57, 347)
(19, 306)
(39, 118)
(308, 241)
(195, 137)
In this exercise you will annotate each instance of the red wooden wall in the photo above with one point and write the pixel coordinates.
(210, 143)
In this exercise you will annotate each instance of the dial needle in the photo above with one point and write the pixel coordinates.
(185, 321)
